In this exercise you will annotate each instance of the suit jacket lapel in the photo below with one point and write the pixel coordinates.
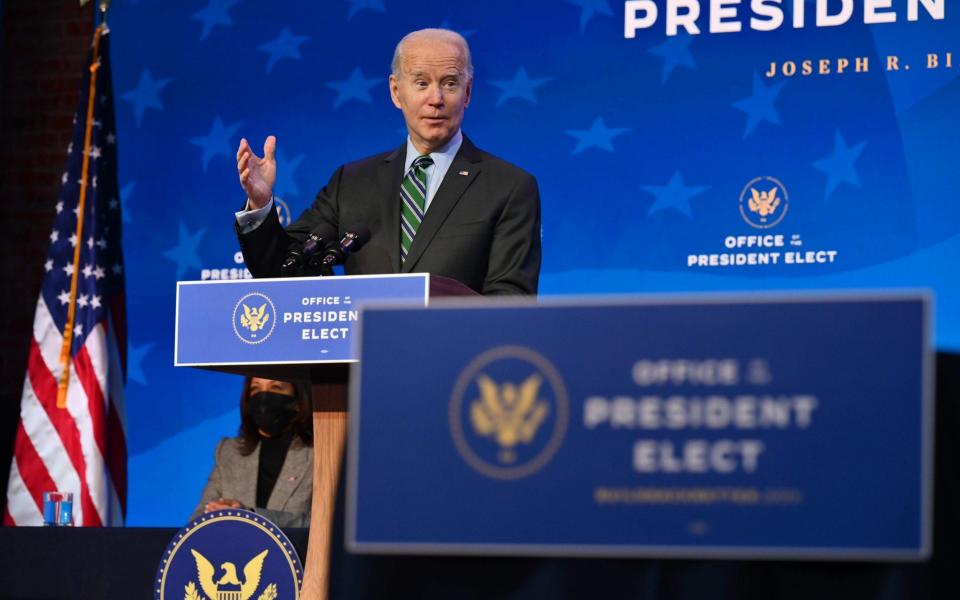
(455, 182)
(388, 182)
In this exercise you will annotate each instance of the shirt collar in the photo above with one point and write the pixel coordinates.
(442, 157)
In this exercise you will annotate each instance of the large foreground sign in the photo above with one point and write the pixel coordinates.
(740, 426)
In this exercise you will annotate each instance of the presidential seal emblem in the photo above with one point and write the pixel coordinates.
(254, 318)
(764, 202)
(508, 412)
(229, 555)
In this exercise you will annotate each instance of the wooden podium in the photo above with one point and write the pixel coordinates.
(329, 387)
(329, 384)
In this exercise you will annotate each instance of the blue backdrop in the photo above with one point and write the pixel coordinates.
(646, 150)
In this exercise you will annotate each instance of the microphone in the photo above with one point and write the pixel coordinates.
(317, 241)
(292, 261)
(352, 241)
(297, 254)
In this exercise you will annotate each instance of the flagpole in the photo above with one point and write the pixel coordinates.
(72, 307)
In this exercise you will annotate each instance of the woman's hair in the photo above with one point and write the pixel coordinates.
(301, 425)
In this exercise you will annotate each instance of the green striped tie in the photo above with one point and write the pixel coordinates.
(413, 202)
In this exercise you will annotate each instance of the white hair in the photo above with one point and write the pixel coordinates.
(438, 35)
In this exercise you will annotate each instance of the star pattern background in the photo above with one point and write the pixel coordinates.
(640, 145)
(285, 45)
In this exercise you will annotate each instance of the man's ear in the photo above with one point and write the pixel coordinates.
(394, 90)
(468, 93)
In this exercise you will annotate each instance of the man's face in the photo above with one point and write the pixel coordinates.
(432, 91)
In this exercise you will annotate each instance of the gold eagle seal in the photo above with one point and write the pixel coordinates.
(764, 202)
(257, 319)
(228, 538)
(228, 587)
(508, 412)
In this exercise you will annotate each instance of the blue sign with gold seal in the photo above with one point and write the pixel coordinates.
(275, 321)
(738, 426)
(229, 555)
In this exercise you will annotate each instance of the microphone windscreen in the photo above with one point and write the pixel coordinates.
(361, 235)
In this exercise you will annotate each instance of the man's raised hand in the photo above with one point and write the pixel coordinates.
(257, 175)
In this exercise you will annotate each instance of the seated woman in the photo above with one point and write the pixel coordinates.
(268, 467)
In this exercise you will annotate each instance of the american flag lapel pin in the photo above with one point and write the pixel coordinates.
(464, 173)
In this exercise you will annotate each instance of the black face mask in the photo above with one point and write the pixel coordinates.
(271, 412)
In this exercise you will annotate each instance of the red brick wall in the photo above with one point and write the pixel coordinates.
(44, 45)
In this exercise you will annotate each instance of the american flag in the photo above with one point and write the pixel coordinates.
(72, 431)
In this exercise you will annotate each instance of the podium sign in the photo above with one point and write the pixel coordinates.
(775, 427)
(291, 321)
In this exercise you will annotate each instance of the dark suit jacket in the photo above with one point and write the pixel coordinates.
(482, 227)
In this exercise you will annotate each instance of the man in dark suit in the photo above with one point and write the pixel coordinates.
(437, 204)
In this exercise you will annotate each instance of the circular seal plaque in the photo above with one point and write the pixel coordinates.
(229, 555)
